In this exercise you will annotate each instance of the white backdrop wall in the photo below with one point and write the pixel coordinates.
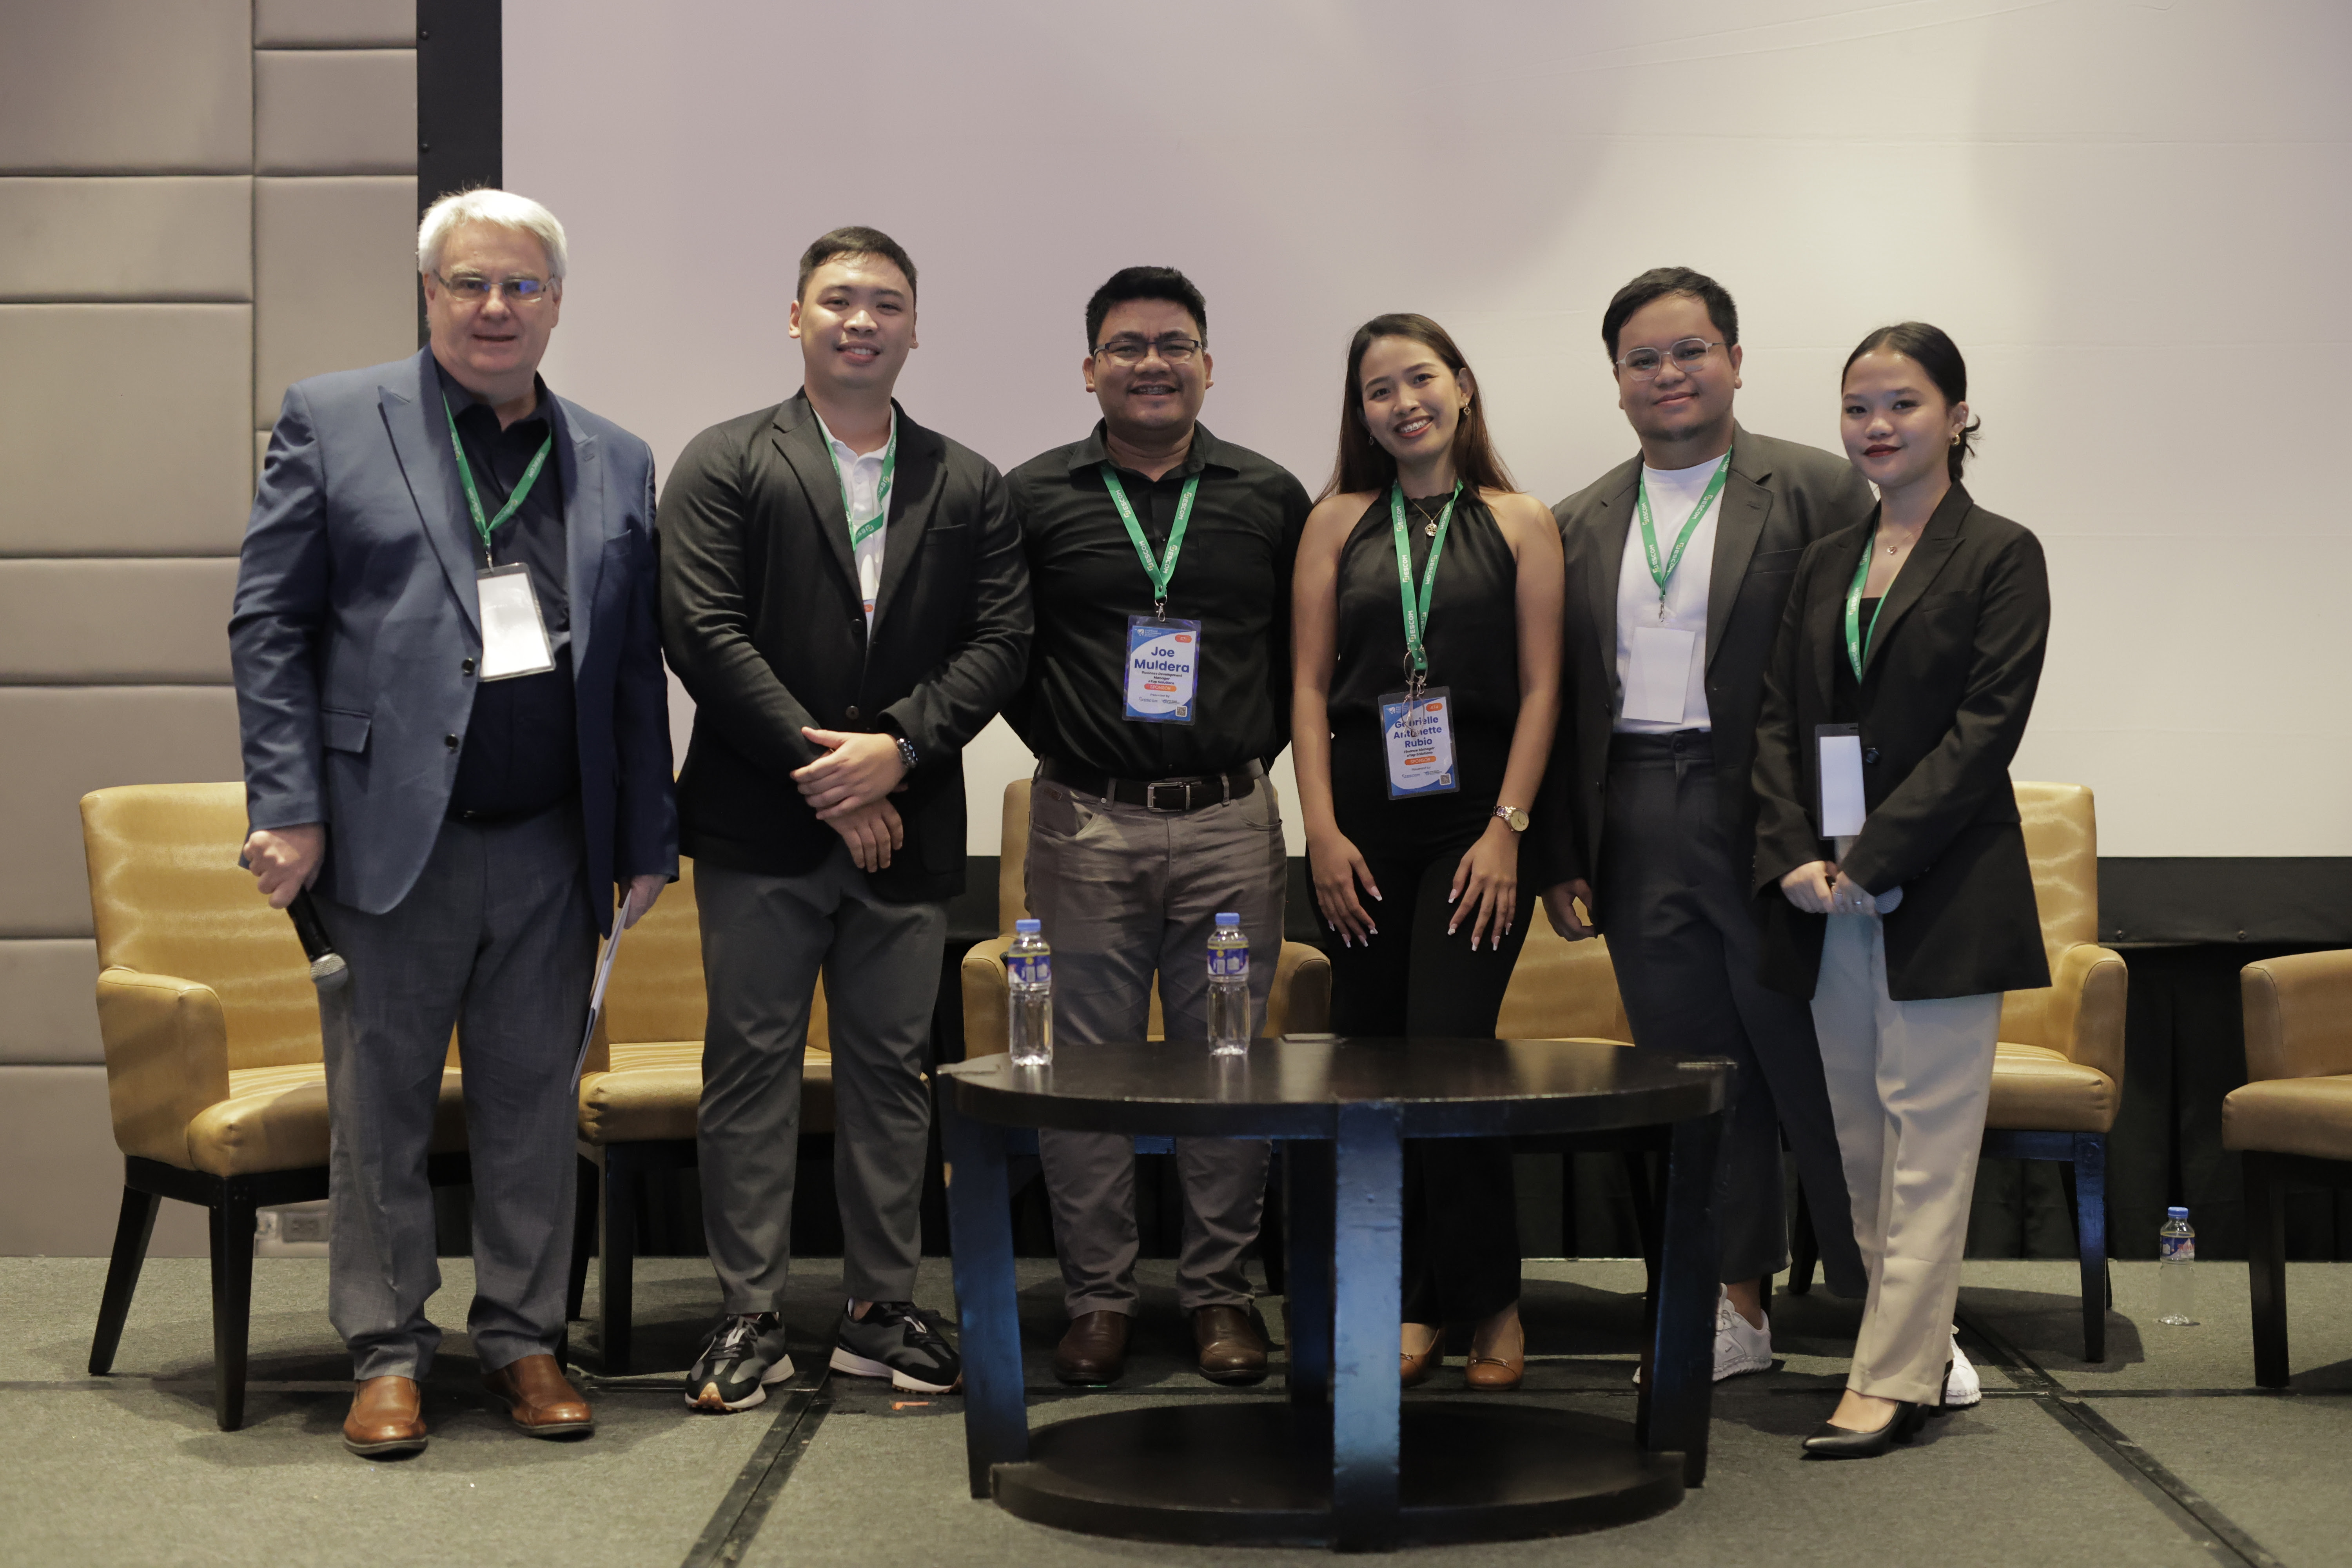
(2133, 214)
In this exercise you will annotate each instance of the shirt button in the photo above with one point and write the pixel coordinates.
(852, 710)
(466, 666)
(450, 741)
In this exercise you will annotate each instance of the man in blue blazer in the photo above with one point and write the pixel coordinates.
(449, 683)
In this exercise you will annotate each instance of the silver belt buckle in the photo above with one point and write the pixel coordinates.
(1152, 796)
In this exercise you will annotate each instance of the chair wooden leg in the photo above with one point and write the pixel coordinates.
(1805, 1247)
(132, 1233)
(617, 1270)
(1645, 1216)
(2090, 1184)
(1270, 1231)
(232, 1249)
(2266, 1267)
(585, 1194)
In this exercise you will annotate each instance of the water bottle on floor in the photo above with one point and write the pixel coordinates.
(1029, 969)
(1228, 989)
(2176, 1293)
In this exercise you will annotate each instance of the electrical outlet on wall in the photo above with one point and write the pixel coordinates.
(291, 1230)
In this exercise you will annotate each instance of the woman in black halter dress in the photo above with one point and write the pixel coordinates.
(1414, 851)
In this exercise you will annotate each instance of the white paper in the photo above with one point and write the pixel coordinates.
(1657, 678)
(597, 991)
(1842, 806)
(514, 637)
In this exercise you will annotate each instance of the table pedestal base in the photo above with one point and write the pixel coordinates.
(1258, 1472)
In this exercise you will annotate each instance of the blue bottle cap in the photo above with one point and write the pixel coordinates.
(1029, 928)
(1229, 920)
(2175, 1212)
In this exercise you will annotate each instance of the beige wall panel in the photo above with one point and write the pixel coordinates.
(333, 23)
(63, 743)
(334, 111)
(185, 237)
(61, 1175)
(126, 87)
(50, 1011)
(335, 279)
(125, 430)
(115, 622)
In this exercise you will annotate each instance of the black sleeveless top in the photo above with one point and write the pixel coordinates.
(1472, 639)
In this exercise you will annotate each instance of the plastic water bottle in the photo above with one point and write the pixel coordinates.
(1029, 968)
(2176, 1293)
(1228, 989)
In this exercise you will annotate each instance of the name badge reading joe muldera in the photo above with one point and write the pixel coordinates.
(1163, 669)
(1417, 733)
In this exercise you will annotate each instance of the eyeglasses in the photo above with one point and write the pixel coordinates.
(1134, 351)
(1688, 355)
(473, 290)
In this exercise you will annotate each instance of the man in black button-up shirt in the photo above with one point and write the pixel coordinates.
(1151, 813)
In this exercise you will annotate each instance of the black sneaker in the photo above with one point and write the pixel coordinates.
(746, 1353)
(896, 1342)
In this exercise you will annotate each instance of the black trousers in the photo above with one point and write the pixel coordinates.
(1461, 1211)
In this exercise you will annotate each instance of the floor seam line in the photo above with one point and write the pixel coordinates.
(725, 1538)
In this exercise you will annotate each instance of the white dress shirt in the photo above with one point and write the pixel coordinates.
(861, 475)
(1673, 492)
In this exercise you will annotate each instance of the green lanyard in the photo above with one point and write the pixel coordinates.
(1663, 573)
(859, 533)
(1857, 642)
(482, 525)
(1162, 570)
(1416, 614)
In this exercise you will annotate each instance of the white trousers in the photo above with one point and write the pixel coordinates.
(1908, 1084)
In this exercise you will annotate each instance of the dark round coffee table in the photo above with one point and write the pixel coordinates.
(1343, 1461)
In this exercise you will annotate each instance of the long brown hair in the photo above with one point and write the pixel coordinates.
(1363, 463)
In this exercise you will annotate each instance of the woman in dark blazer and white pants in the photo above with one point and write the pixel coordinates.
(1924, 628)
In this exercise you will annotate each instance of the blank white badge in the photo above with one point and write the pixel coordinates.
(1659, 676)
(514, 637)
(1841, 764)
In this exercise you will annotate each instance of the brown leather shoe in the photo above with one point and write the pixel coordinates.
(1413, 1370)
(1500, 1373)
(1094, 1352)
(539, 1399)
(387, 1417)
(1231, 1350)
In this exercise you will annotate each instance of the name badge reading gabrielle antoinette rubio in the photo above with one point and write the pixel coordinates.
(514, 635)
(1163, 669)
(1417, 733)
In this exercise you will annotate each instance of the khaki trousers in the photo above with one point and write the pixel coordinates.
(1908, 1084)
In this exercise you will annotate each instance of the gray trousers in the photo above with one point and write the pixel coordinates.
(764, 939)
(495, 939)
(1683, 942)
(1126, 892)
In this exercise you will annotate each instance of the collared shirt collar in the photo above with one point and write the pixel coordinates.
(460, 399)
(840, 447)
(1205, 452)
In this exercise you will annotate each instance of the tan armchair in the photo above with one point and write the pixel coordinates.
(640, 1092)
(211, 1029)
(2292, 1120)
(1299, 1003)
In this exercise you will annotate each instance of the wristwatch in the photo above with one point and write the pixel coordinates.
(1516, 816)
(907, 753)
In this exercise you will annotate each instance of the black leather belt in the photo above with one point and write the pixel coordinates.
(1158, 794)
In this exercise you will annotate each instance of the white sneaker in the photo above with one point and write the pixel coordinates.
(1962, 1390)
(1737, 1347)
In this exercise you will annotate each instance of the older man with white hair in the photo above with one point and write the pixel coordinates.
(450, 683)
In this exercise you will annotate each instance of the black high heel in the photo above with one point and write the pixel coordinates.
(1943, 1392)
(1845, 1443)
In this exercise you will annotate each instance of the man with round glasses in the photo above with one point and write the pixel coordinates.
(1158, 692)
(1679, 561)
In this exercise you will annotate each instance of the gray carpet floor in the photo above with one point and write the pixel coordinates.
(2163, 1453)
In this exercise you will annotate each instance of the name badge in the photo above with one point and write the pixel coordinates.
(514, 635)
(1657, 678)
(1841, 774)
(1417, 735)
(1163, 669)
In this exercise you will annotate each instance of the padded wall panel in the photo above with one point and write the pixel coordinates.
(64, 741)
(126, 87)
(50, 1014)
(125, 430)
(63, 1177)
(335, 279)
(333, 23)
(334, 111)
(85, 622)
(172, 237)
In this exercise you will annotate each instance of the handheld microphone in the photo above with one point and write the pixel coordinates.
(328, 969)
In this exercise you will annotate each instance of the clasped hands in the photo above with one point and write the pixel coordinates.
(850, 786)
(1811, 888)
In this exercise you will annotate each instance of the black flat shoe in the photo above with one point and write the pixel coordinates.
(1845, 1443)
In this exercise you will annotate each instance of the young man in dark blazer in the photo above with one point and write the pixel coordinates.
(1679, 562)
(844, 596)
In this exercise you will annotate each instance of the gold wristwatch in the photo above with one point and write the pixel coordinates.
(1517, 816)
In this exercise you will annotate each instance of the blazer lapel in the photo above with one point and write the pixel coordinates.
(421, 444)
(1936, 542)
(1610, 521)
(800, 441)
(1739, 525)
(914, 492)
(587, 518)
